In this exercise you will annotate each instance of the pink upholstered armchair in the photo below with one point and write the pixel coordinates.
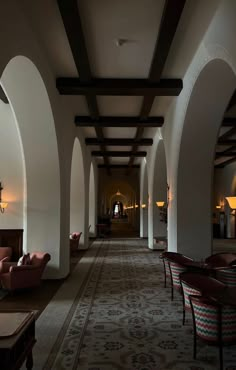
(5, 254)
(25, 276)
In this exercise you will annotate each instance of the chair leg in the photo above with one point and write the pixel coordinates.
(172, 292)
(183, 316)
(221, 356)
(194, 346)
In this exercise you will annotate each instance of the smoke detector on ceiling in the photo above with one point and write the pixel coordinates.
(120, 42)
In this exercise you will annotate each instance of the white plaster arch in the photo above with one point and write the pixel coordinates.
(35, 124)
(158, 192)
(92, 202)
(174, 121)
(77, 193)
(144, 199)
(206, 106)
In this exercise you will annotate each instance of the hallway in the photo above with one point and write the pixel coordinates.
(114, 313)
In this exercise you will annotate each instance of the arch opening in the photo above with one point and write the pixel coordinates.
(208, 101)
(35, 205)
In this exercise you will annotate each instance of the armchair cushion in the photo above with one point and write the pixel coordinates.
(24, 260)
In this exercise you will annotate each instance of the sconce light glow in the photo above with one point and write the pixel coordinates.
(143, 205)
(3, 205)
(160, 203)
(231, 201)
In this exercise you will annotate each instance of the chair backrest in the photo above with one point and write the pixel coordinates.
(5, 252)
(227, 276)
(187, 291)
(39, 259)
(213, 321)
(176, 269)
(221, 259)
(206, 318)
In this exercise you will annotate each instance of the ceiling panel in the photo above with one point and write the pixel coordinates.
(117, 132)
(119, 105)
(104, 22)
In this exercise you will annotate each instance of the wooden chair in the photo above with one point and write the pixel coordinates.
(213, 323)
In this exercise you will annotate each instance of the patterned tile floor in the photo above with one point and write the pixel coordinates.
(123, 318)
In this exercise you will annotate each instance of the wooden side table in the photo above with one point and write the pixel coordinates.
(17, 338)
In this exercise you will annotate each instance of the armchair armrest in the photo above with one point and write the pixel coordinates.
(5, 266)
(16, 268)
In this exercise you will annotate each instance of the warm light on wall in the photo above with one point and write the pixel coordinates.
(160, 204)
(218, 207)
(136, 205)
(143, 205)
(3, 205)
(231, 201)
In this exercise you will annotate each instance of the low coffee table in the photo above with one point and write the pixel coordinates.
(17, 338)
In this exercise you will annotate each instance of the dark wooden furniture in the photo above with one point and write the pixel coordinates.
(12, 238)
(16, 343)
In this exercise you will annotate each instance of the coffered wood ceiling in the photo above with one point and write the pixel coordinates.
(120, 64)
(91, 86)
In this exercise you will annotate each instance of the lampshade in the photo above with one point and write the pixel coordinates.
(160, 203)
(231, 201)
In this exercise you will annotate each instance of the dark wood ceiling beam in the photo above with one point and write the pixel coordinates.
(121, 87)
(227, 134)
(227, 142)
(170, 19)
(228, 154)
(117, 142)
(113, 153)
(73, 27)
(229, 121)
(118, 166)
(105, 121)
(225, 163)
(232, 101)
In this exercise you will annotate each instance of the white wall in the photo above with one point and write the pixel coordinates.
(11, 170)
(92, 201)
(77, 195)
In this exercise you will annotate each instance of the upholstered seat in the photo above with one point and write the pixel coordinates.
(74, 242)
(213, 323)
(25, 276)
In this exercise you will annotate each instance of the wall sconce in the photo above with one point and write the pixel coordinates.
(160, 204)
(3, 205)
(163, 206)
(231, 201)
